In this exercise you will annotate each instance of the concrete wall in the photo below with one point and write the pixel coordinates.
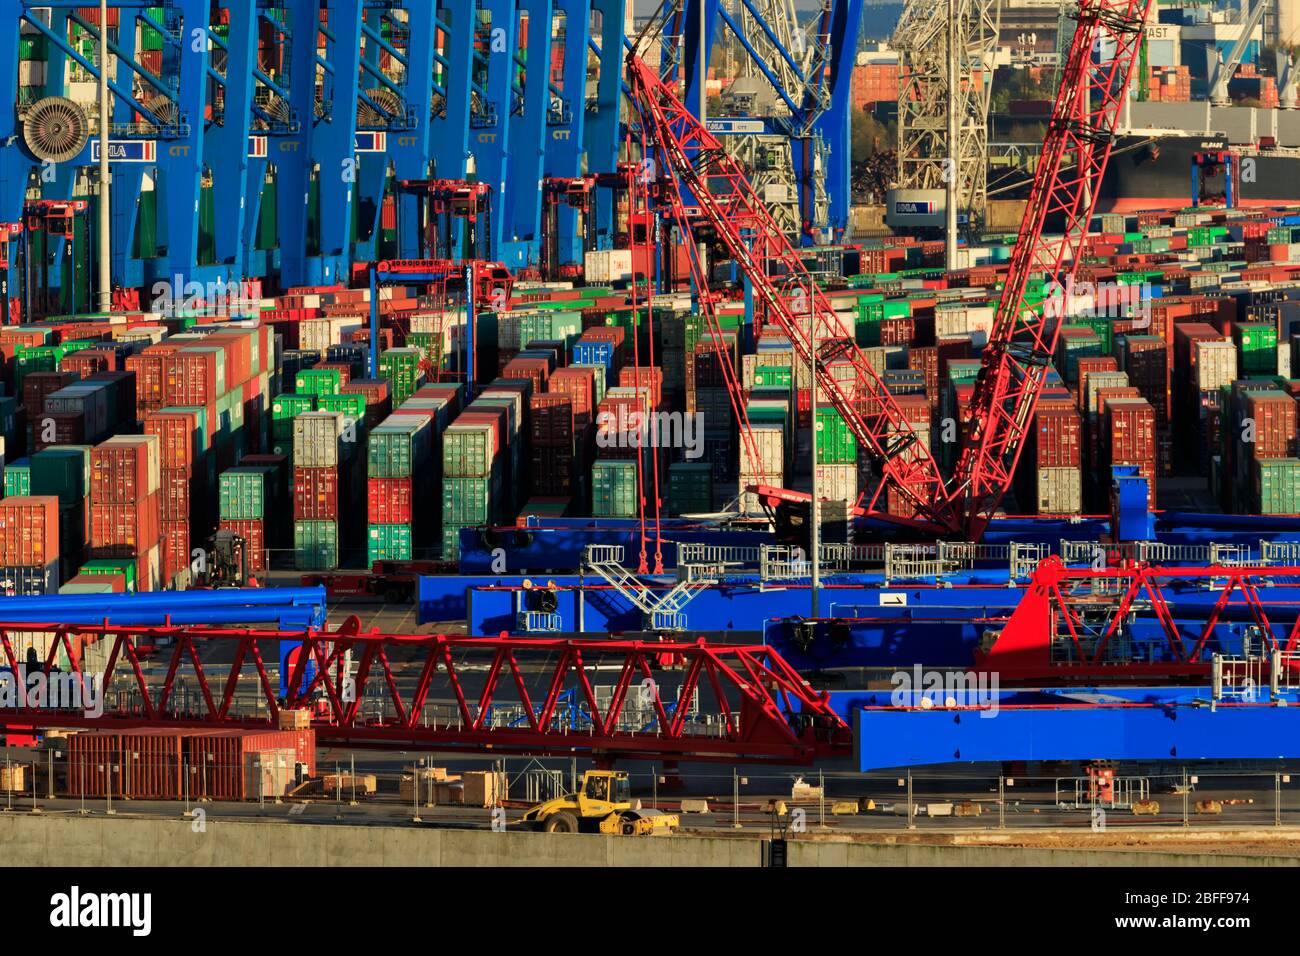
(57, 840)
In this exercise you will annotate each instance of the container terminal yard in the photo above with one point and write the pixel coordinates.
(745, 432)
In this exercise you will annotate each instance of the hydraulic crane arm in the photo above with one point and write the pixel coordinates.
(1094, 86)
(708, 188)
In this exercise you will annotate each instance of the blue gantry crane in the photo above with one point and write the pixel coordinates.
(255, 141)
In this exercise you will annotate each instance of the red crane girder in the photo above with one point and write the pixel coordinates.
(709, 188)
(1023, 339)
(758, 708)
(1059, 597)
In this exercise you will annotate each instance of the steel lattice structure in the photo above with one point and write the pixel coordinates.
(1068, 626)
(924, 155)
(704, 186)
(514, 695)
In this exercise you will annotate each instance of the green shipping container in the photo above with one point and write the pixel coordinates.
(318, 381)
(1256, 348)
(468, 450)
(62, 470)
(450, 542)
(402, 369)
(352, 407)
(467, 501)
(315, 545)
(613, 489)
(835, 442)
(18, 478)
(122, 566)
(388, 542)
(1277, 486)
(690, 487)
(398, 447)
(245, 493)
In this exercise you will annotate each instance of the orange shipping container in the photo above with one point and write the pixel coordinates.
(29, 530)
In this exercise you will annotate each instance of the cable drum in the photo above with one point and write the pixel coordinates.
(56, 129)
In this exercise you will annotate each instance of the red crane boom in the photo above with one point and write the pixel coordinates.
(708, 190)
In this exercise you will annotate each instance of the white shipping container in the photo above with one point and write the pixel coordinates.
(603, 266)
(837, 483)
(769, 445)
(1098, 381)
(1060, 491)
(768, 358)
(1216, 364)
(316, 438)
(317, 335)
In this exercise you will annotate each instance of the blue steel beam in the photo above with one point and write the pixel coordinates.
(235, 192)
(324, 147)
(602, 133)
(450, 131)
(520, 199)
(489, 126)
(834, 124)
(565, 125)
(691, 54)
(885, 738)
(372, 168)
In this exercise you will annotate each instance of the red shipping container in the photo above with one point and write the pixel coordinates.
(175, 549)
(651, 378)
(551, 417)
(37, 385)
(1131, 426)
(119, 472)
(144, 764)
(253, 532)
(535, 370)
(1059, 438)
(315, 494)
(179, 437)
(344, 370)
(1275, 424)
(190, 378)
(29, 530)
(124, 530)
(85, 363)
(232, 758)
(150, 369)
(389, 501)
(69, 429)
(175, 495)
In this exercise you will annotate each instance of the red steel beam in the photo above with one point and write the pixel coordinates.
(1058, 596)
(761, 709)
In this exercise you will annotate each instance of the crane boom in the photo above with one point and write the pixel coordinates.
(1094, 85)
(709, 188)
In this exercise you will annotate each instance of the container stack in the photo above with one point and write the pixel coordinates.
(475, 463)
(188, 469)
(400, 482)
(64, 472)
(323, 463)
(126, 505)
(29, 545)
(249, 498)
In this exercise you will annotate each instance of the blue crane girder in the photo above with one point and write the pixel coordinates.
(324, 146)
(236, 193)
(566, 118)
(834, 123)
(521, 195)
(602, 129)
(489, 129)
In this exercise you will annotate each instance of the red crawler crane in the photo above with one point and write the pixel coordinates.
(708, 193)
